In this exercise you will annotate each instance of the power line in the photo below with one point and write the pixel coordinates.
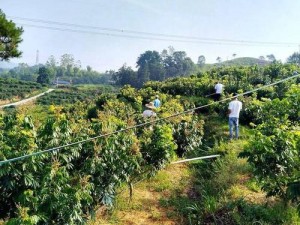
(140, 37)
(207, 40)
(141, 124)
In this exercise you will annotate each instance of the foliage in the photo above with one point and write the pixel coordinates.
(157, 146)
(11, 88)
(67, 96)
(68, 69)
(274, 151)
(44, 76)
(10, 38)
(294, 58)
(188, 135)
(154, 66)
(65, 186)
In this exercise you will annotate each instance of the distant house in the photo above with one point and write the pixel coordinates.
(62, 83)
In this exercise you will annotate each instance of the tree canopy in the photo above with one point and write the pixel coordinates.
(10, 38)
(294, 58)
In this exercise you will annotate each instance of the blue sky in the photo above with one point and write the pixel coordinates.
(256, 20)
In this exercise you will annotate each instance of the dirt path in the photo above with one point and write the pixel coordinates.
(24, 101)
(145, 208)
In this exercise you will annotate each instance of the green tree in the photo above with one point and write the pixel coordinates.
(67, 62)
(201, 60)
(89, 68)
(10, 38)
(143, 75)
(294, 58)
(274, 151)
(51, 62)
(150, 67)
(271, 58)
(125, 75)
(51, 65)
(178, 64)
(44, 76)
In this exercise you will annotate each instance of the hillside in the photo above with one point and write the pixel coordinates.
(242, 61)
(245, 61)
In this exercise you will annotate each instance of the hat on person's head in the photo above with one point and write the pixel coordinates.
(150, 105)
(156, 96)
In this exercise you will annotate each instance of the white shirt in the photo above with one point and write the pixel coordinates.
(218, 88)
(148, 113)
(235, 107)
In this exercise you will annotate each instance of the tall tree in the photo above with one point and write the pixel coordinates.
(44, 76)
(271, 58)
(294, 58)
(201, 60)
(51, 62)
(125, 75)
(219, 59)
(10, 38)
(150, 66)
(67, 60)
(88, 68)
(143, 75)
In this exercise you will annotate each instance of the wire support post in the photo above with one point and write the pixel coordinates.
(193, 159)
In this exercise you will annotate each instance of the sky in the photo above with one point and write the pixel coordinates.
(96, 31)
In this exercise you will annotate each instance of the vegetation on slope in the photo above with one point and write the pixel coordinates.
(66, 186)
(12, 89)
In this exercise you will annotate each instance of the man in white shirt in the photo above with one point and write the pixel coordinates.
(218, 89)
(234, 109)
(149, 112)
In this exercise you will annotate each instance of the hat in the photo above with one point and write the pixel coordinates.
(156, 96)
(150, 105)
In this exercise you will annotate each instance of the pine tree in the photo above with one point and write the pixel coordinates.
(10, 37)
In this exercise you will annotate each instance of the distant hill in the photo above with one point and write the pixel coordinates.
(245, 61)
(242, 61)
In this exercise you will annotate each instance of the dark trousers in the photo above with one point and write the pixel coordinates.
(217, 97)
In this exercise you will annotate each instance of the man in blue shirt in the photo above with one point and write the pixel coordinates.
(156, 102)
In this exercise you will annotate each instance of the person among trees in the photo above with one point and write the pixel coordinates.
(150, 111)
(156, 102)
(218, 89)
(234, 109)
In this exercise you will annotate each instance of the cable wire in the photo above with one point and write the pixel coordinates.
(151, 33)
(137, 37)
(142, 124)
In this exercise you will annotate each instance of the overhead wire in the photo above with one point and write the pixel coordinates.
(146, 35)
(141, 124)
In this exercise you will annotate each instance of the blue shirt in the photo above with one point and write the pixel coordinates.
(156, 103)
